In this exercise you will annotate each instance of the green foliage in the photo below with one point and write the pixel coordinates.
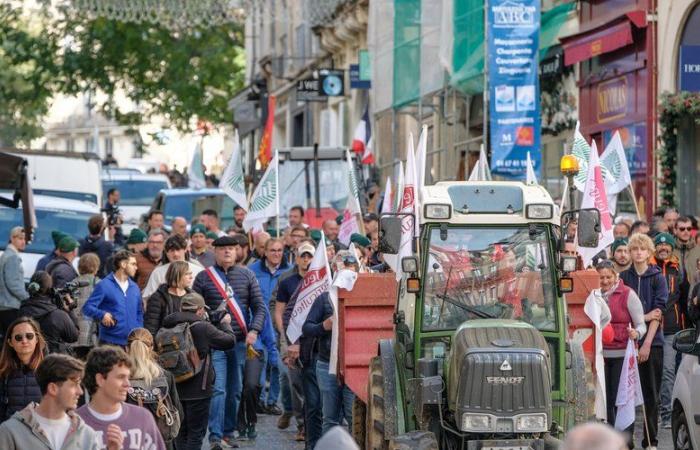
(181, 76)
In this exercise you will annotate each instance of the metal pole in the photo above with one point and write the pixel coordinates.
(316, 181)
(486, 77)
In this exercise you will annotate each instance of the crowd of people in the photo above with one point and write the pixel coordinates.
(166, 338)
(649, 282)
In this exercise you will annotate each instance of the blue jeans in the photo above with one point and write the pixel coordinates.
(228, 366)
(313, 416)
(336, 398)
(667, 379)
(274, 392)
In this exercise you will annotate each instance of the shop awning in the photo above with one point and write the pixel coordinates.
(605, 38)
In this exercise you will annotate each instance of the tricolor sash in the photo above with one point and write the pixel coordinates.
(226, 292)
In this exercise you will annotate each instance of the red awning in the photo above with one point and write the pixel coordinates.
(602, 39)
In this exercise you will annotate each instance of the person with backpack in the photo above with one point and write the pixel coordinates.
(61, 268)
(152, 387)
(88, 265)
(117, 423)
(167, 298)
(194, 383)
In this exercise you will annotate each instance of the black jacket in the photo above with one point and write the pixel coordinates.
(61, 271)
(246, 291)
(206, 338)
(58, 327)
(17, 390)
(313, 327)
(99, 246)
(160, 304)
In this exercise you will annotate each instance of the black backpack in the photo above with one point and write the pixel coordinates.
(177, 352)
(156, 398)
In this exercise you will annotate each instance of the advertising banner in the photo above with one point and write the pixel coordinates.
(514, 89)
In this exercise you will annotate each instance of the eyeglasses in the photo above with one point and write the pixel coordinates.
(684, 228)
(605, 264)
(300, 236)
(21, 337)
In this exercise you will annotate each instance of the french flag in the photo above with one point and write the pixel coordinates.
(362, 139)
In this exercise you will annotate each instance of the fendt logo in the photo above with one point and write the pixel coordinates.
(514, 14)
(505, 380)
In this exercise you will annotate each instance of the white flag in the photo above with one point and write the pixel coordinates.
(481, 170)
(348, 226)
(399, 187)
(195, 173)
(387, 206)
(421, 159)
(595, 308)
(594, 196)
(232, 182)
(629, 392)
(265, 201)
(344, 279)
(531, 177)
(316, 281)
(353, 188)
(615, 161)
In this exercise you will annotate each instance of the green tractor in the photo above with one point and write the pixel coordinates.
(481, 356)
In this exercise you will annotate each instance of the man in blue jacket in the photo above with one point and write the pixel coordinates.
(268, 271)
(116, 301)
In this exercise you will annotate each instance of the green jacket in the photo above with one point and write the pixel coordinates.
(22, 431)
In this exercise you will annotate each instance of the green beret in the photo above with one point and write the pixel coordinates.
(199, 228)
(339, 219)
(315, 235)
(618, 243)
(137, 236)
(56, 237)
(665, 238)
(212, 235)
(67, 244)
(358, 239)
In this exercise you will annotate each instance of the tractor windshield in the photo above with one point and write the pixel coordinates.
(477, 273)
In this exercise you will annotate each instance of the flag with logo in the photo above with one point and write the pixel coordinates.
(594, 196)
(232, 182)
(399, 187)
(352, 208)
(594, 310)
(581, 150)
(362, 138)
(316, 281)
(387, 202)
(615, 161)
(265, 201)
(265, 149)
(195, 173)
(481, 170)
(629, 391)
(531, 177)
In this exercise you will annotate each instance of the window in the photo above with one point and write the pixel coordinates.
(108, 146)
(70, 145)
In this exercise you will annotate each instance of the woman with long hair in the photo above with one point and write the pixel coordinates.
(166, 299)
(153, 387)
(22, 352)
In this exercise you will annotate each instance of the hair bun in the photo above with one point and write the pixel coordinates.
(33, 288)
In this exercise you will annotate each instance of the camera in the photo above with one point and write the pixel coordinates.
(114, 215)
(65, 297)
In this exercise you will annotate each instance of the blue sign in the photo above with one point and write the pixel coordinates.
(689, 70)
(356, 81)
(514, 88)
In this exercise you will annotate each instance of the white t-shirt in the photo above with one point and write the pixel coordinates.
(55, 430)
(106, 417)
(123, 284)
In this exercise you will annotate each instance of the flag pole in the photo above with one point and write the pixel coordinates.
(634, 200)
(277, 189)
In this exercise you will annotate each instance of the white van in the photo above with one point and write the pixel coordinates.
(74, 176)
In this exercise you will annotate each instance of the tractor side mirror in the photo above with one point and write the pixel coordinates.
(389, 235)
(588, 229)
(685, 342)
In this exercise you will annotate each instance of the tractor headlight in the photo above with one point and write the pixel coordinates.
(531, 423)
(476, 422)
(539, 211)
(437, 211)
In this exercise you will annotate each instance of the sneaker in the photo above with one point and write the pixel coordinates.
(284, 420)
(229, 442)
(273, 410)
(216, 446)
(252, 434)
(300, 435)
(260, 408)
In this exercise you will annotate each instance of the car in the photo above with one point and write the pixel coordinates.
(137, 193)
(52, 213)
(189, 203)
(685, 419)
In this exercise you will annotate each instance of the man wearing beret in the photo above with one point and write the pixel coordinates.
(674, 318)
(56, 237)
(620, 255)
(61, 269)
(228, 287)
(199, 250)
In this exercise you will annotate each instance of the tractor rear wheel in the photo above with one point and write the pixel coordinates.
(375, 407)
(359, 421)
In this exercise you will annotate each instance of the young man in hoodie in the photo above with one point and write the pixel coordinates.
(649, 284)
(95, 242)
(674, 318)
(117, 423)
(116, 301)
(52, 424)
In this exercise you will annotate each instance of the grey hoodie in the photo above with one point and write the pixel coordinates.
(22, 431)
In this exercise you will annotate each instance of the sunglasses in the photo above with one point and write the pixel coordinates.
(20, 337)
(605, 264)
(684, 228)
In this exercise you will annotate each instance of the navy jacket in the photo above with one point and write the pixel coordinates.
(652, 290)
(245, 290)
(127, 310)
(97, 245)
(17, 390)
(313, 327)
(45, 260)
(61, 271)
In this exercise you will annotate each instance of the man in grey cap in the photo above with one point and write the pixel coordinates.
(12, 291)
(228, 287)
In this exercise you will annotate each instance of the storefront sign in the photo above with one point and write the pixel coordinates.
(308, 91)
(612, 99)
(689, 70)
(356, 81)
(514, 90)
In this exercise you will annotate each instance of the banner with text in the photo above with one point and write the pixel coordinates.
(514, 89)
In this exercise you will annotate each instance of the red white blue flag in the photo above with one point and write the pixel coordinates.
(362, 139)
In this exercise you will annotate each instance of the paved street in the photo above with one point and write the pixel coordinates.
(270, 437)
